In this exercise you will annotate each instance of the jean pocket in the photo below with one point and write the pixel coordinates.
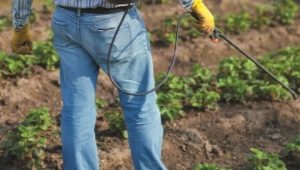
(59, 29)
(102, 37)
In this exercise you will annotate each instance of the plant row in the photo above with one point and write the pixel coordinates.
(15, 65)
(237, 80)
(25, 146)
(260, 160)
(278, 12)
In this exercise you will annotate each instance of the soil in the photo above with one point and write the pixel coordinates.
(223, 136)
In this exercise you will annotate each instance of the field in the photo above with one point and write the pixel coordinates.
(218, 110)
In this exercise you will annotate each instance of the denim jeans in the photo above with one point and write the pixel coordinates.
(82, 41)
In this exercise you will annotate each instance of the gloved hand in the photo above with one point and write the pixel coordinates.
(21, 41)
(206, 21)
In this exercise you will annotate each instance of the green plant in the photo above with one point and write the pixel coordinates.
(33, 17)
(43, 54)
(285, 64)
(48, 6)
(4, 22)
(170, 98)
(205, 99)
(170, 105)
(265, 161)
(200, 88)
(167, 36)
(240, 79)
(293, 145)
(116, 122)
(267, 91)
(26, 144)
(101, 103)
(207, 166)
(234, 79)
(264, 15)
(238, 22)
(234, 90)
(12, 65)
(285, 11)
(46, 55)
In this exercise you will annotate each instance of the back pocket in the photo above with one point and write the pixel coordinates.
(59, 29)
(103, 35)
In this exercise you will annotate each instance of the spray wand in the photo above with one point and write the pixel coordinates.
(217, 34)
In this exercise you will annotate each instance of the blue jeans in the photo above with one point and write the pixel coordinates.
(82, 42)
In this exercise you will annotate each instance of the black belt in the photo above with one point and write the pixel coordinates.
(98, 10)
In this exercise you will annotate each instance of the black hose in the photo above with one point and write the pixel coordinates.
(167, 73)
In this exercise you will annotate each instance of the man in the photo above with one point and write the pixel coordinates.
(83, 30)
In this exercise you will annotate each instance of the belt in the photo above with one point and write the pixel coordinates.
(98, 10)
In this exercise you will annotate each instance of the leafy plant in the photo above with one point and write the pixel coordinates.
(293, 145)
(167, 36)
(264, 15)
(101, 103)
(265, 161)
(200, 88)
(207, 166)
(116, 122)
(4, 22)
(48, 6)
(238, 22)
(240, 80)
(33, 17)
(234, 79)
(170, 98)
(12, 65)
(46, 55)
(170, 105)
(27, 142)
(285, 11)
(234, 90)
(43, 55)
(285, 64)
(205, 99)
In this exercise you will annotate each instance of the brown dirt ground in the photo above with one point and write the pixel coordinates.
(222, 136)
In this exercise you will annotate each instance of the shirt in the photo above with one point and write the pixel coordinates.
(21, 9)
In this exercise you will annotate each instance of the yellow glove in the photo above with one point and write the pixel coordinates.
(21, 41)
(206, 21)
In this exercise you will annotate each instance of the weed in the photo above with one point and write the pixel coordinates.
(116, 122)
(48, 6)
(27, 142)
(46, 55)
(264, 161)
(200, 88)
(170, 105)
(101, 103)
(264, 16)
(33, 17)
(285, 11)
(234, 79)
(293, 145)
(238, 22)
(170, 98)
(4, 22)
(11, 65)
